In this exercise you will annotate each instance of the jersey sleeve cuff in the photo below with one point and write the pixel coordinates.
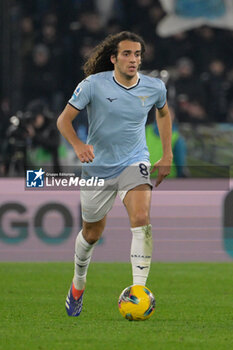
(161, 107)
(75, 107)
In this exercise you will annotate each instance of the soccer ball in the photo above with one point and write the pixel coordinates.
(136, 303)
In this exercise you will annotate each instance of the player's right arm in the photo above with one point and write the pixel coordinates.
(83, 151)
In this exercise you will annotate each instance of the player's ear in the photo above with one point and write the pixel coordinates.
(113, 59)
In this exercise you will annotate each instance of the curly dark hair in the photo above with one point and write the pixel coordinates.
(99, 61)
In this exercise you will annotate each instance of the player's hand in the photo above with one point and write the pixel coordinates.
(164, 167)
(84, 152)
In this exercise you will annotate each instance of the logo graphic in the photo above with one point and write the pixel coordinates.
(35, 178)
(143, 99)
(111, 99)
(142, 267)
(77, 91)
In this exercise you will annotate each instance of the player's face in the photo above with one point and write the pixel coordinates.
(128, 59)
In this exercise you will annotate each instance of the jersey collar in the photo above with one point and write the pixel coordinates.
(126, 87)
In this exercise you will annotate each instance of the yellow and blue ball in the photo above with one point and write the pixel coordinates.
(136, 303)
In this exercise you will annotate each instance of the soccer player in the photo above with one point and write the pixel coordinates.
(118, 99)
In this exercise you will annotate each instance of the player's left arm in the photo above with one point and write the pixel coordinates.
(164, 123)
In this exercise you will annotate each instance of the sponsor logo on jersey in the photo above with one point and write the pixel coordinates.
(111, 99)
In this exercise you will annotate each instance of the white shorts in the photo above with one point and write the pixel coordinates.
(97, 202)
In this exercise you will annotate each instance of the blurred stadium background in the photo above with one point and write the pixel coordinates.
(189, 45)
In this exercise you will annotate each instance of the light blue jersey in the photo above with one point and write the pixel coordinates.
(117, 116)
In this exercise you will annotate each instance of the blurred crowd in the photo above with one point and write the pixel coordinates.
(58, 36)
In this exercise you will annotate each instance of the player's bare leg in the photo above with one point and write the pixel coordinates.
(84, 247)
(137, 202)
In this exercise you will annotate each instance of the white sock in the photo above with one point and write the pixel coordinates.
(141, 251)
(82, 258)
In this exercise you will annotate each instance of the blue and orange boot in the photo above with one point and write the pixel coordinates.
(74, 301)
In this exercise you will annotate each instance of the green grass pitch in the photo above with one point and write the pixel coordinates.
(194, 308)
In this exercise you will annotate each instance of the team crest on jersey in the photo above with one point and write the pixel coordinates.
(77, 91)
(143, 99)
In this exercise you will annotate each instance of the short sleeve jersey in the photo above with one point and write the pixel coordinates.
(116, 117)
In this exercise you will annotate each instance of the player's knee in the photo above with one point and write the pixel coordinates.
(140, 218)
(92, 231)
(91, 236)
